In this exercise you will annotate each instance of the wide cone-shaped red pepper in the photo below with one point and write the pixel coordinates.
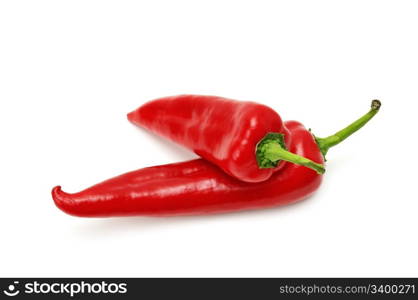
(199, 187)
(195, 187)
(245, 139)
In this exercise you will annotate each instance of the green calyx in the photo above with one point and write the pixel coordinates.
(263, 155)
(272, 149)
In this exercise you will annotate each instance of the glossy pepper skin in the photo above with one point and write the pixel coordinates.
(223, 131)
(196, 187)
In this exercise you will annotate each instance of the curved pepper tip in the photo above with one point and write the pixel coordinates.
(61, 200)
(57, 195)
(56, 191)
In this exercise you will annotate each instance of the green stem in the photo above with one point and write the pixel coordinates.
(272, 149)
(325, 143)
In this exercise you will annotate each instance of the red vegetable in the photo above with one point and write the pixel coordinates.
(245, 139)
(198, 187)
(195, 187)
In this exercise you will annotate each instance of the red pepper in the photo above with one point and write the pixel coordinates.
(199, 187)
(195, 187)
(247, 140)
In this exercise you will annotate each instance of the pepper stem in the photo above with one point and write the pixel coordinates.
(325, 143)
(272, 148)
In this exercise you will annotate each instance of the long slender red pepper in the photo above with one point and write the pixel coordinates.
(199, 187)
(194, 187)
(245, 139)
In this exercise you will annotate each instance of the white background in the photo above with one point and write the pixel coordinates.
(71, 70)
